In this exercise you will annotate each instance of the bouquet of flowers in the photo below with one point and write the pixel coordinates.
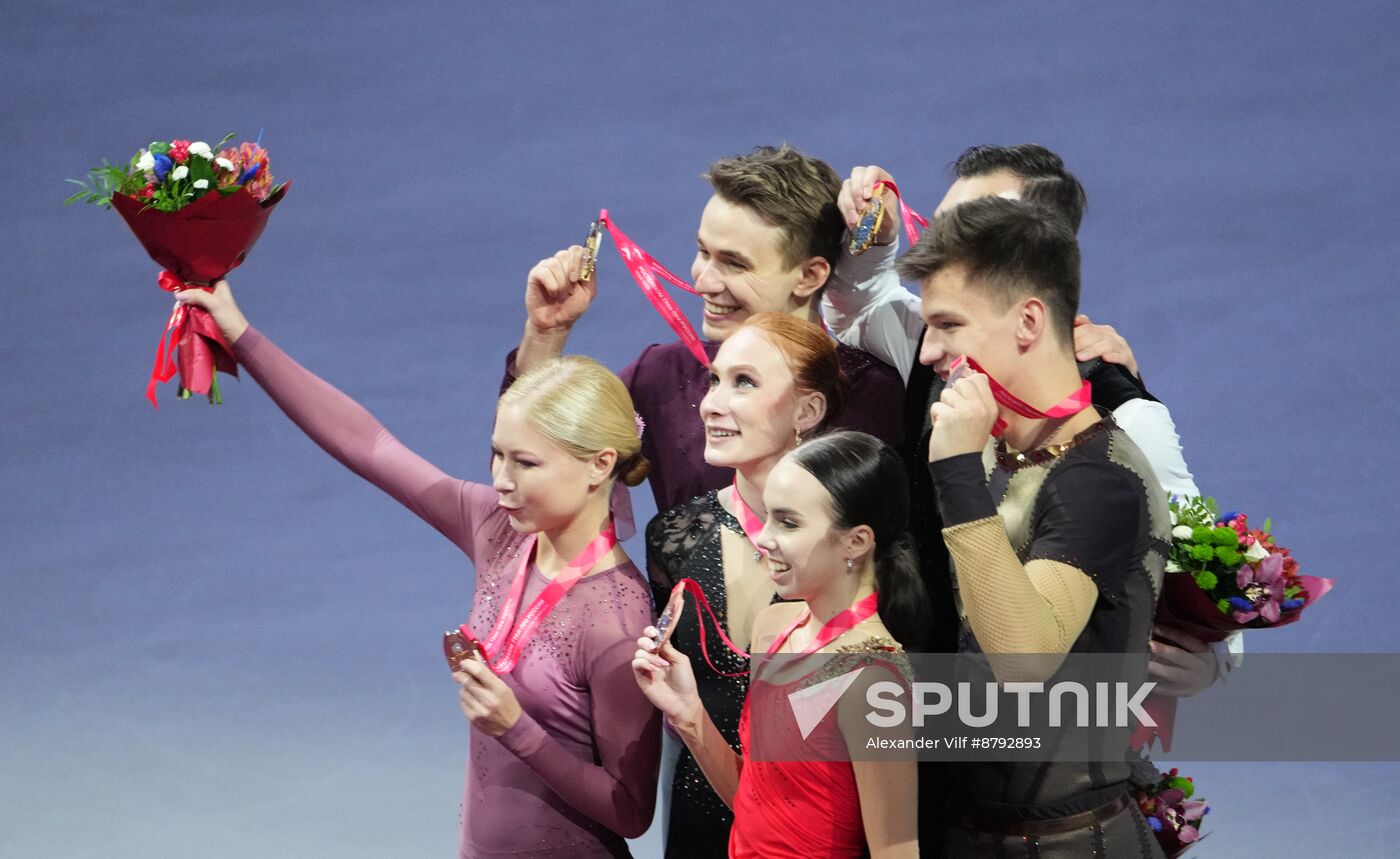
(1222, 577)
(197, 210)
(1225, 576)
(1174, 816)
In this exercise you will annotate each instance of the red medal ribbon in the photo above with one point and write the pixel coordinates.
(692, 587)
(1070, 406)
(644, 269)
(176, 329)
(748, 519)
(907, 215)
(844, 621)
(509, 636)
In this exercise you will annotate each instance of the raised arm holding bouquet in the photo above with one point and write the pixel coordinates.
(197, 212)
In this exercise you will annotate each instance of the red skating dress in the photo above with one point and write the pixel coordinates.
(797, 796)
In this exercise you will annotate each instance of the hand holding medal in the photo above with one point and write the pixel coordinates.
(560, 289)
(590, 251)
(864, 206)
(485, 698)
(970, 402)
(663, 672)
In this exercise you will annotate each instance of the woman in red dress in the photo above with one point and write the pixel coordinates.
(836, 546)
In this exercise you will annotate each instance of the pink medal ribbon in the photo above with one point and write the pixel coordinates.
(844, 621)
(1070, 406)
(644, 269)
(507, 640)
(752, 525)
(692, 587)
(907, 215)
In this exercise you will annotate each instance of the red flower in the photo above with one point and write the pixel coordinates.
(180, 151)
(148, 192)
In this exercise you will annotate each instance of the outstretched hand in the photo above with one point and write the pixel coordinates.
(220, 304)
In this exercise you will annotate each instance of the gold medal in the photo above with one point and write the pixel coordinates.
(590, 251)
(868, 227)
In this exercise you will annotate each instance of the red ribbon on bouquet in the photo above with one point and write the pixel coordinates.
(644, 269)
(1070, 406)
(196, 244)
(907, 215)
(192, 334)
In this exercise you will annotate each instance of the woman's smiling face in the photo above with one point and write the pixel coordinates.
(805, 551)
(753, 409)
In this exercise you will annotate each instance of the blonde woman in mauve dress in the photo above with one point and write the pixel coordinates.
(564, 747)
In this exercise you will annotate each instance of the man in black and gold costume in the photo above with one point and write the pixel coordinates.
(1060, 549)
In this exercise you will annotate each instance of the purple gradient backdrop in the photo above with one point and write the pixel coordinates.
(214, 641)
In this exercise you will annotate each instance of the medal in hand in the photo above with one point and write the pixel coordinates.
(590, 251)
(868, 227)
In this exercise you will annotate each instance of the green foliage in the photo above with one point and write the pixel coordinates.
(201, 168)
(101, 184)
(1223, 536)
(1224, 606)
(1182, 784)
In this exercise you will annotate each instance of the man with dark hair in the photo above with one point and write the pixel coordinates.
(1061, 191)
(1062, 548)
(769, 239)
(869, 308)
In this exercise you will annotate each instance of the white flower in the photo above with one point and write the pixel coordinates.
(1181, 532)
(179, 172)
(147, 162)
(1256, 553)
(200, 148)
(201, 184)
(1172, 568)
(224, 164)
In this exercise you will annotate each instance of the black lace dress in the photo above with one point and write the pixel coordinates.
(686, 542)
